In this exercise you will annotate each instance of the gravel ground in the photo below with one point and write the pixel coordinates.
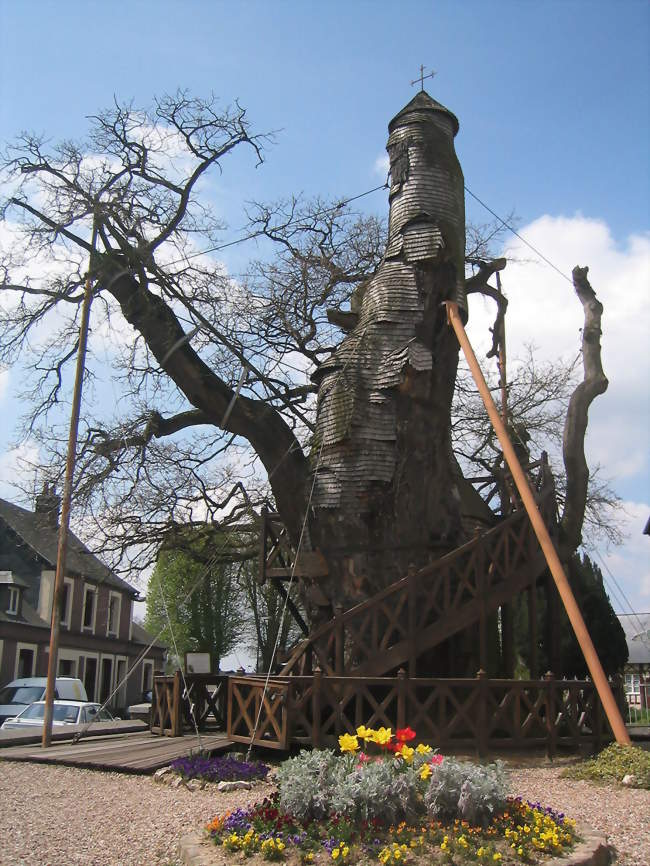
(62, 816)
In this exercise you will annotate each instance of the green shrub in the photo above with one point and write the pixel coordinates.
(613, 763)
(468, 791)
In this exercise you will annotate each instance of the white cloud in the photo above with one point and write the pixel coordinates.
(17, 467)
(4, 382)
(382, 165)
(543, 310)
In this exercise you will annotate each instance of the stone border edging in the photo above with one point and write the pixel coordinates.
(194, 850)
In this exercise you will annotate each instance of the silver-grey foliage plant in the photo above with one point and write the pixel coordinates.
(459, 789)
(319, 783)
(305, 784)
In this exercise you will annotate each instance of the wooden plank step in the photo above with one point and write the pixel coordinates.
(140, 752)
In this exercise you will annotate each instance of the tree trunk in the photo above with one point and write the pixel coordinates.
(385, 495)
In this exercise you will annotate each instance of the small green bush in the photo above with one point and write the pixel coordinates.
(613, 763)
(459, 789)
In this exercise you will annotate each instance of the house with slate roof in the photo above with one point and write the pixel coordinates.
(637, 670)
(99, 641)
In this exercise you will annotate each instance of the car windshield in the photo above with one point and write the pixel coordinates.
(20, 694)
(96, 712)
(59, 713)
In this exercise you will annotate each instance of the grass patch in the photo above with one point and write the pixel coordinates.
(613, 764)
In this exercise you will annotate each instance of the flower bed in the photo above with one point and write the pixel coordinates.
(219, 769)
(391, 803)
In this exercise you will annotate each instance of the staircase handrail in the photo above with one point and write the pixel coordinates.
(544, 491)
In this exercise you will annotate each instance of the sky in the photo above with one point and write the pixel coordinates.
(552, 99)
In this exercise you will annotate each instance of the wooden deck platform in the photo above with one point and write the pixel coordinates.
(139, 752)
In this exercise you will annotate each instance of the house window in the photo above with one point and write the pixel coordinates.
(90, 608)
(114, 605)
(66, 602)
(13, 600)
(25, 660)
(67, 668)
(632, 684)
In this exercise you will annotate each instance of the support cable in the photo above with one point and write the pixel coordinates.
(186, 691)
(516, 234)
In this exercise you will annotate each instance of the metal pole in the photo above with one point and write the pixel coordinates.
(553, 560)
(65, 504)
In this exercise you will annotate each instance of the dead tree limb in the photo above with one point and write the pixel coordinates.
(575, 426)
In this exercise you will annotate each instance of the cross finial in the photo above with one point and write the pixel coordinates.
(422, 77)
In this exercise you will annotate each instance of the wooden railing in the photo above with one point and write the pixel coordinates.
(174, 709)
(427, 606)
(257, 712)
(478, 714)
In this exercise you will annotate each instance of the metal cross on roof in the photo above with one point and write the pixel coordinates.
(422, 77)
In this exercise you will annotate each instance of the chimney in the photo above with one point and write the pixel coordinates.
(48, 505)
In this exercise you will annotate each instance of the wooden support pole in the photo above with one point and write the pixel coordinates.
(507, 638)
(66, 499)
(561, 581)
(533, 631)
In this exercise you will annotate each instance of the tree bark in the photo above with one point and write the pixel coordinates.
(575, 426)
(254, 420)
(385, 494)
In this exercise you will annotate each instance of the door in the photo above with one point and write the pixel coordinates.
(90, 677)
(106, 679)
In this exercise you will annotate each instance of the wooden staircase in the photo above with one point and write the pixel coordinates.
(426, 607)
(365, 666)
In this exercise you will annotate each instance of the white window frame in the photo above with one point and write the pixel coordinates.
(102, 658)
(14, 599)
(68, 656)
(85, 654)
(28, 646)
(115, 631)
(67, 613)
(89, 587)
(119, 698)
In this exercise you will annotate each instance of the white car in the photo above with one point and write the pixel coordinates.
(141, 711)
(63, 713)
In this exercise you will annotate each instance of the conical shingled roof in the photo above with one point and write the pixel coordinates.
(423, 102)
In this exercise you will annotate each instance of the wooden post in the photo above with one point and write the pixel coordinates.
(402, 687)
(507, 634)
(412, 614)
(66, 500)
(482, 738)
(552, 623)
(177, 714)
(532, 631)
(551, 714)
(315, 708)
(339, 647)
(561, 581)
(482, 638)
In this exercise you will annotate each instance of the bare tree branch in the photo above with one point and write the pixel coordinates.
(575, 427)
